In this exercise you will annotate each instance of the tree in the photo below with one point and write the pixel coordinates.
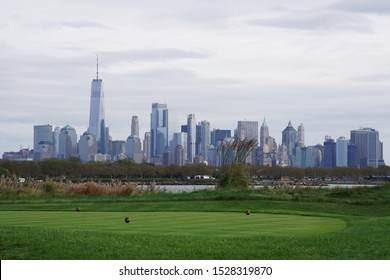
(234, 172)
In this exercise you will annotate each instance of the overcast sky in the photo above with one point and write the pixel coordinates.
(323, 63)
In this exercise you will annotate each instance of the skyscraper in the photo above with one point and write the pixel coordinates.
(191, 137)
(205, 140)
(289, 139)
(87, 147)
(248, 129)
(147, 147)
(43, 142)
(179, 139)
(68, 142)
(134, 126)
(369, 148)
(329, 160)
(307, 157)
(217, 136)
(134, 148)
(96, 113)
(301, 136)
(159, 129)
(264, 134)
(342, 152)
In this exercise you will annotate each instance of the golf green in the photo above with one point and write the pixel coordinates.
(223, 224)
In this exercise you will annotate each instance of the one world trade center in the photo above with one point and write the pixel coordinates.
(96, 114)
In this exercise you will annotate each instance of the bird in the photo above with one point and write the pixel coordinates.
(77, 209)
(248, 212)
(127, 220)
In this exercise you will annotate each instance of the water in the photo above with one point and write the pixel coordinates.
(179, 188)
(191, 188)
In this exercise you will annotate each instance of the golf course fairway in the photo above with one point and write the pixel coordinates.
(216, 224)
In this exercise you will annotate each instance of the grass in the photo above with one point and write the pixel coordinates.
(217, 224)
(320, 224)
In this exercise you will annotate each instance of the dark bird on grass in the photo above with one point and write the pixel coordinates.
(127, 220)
(248, 212)
(77, 209)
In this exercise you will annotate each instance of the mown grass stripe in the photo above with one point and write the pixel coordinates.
(224, 224)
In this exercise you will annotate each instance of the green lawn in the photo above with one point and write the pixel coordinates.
(203, 225)
(216, 224)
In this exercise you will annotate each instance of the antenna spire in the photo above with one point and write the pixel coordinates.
(97, 67)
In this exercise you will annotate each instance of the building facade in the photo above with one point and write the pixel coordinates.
(290, 139)
(329, 160)
(191, 137)
(87, 147)
(179, 139)
(342, 152)
(96, 111)
(369, 147)
(205, 140)
(159, 130)
(134, 126)
(68, 143)
(43, 142)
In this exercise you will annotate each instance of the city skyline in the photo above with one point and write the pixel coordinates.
(319, 64)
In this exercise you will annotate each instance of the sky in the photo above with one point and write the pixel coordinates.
(322, 63)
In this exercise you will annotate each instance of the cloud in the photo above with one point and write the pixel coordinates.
(153, 55)
(322, 20)
(66, 24)
(362, 6)
(374, 78)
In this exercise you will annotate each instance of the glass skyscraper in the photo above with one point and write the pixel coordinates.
(159, 129)
(68, 143)
(191, 137)
(342, 152)
(290, 139)
(369, 148)
(248, 129)
(43, 138)
(329, 160)
(205, 140)
(96, 113)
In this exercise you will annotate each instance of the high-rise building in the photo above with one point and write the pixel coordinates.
(205, 140)
(179, 139)
(352, 155)
(301, 136)
(264, 134)
(198, 139)
(248, 129)
(43, 142)
(147, 147)
(329, 160)
(56, 140)
(342, 152)
(290, 139)
(134, 149)
(87, 147)
(218, 135)
(179, 155)
(118, 150)
(191, 137)
(159, 130)
(134, 126)
(369, 148)
(96, 113)
(68, 142)
(167, 157)
(307, 157)
(103, 143)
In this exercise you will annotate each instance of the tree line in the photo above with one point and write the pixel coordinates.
(129, 170)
